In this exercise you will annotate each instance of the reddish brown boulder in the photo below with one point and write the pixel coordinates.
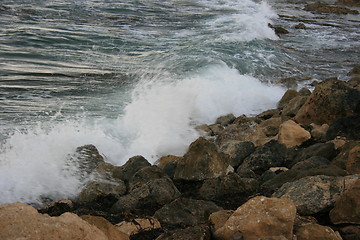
(316, 231)
(260, 218)
(331, 99)
(291, 134)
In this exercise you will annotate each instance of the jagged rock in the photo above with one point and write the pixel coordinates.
(226, 120)
(312, 194)
(138, 225)
(107, 171)
(353, 162)
(186, 211)
(148, 196)
(260, 218)
(202, 161)
(331, 99)
(165, 160)
(269, 114)
(215, 129)
(95, 191)
(57, 208)
(291, 134)
(316, 231)
(341, 159)
(351, 3)
(347, 207)
(311, 162)
(278, 30)
(229, 189)
(290, 110)
(288, 95)
(200, 232)
(320, 7)
(21, 221)
(106, 227)
(319, 132)
(133, 165)
(289, 82)
(325, 150)
(269, 127)
(300, 26)
(351, 232)
(146, 174)
(219, 218)
(271, 154)
(348, 127)
(237, 151)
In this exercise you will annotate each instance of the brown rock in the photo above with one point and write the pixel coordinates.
(351, 3)
(219, 218)
(106, 227)
(237, 151)
(21, 221)
(316, 231)
(288, 95)
(347, 207)
(291, 134)
(200, 232)
(138, 225)
(269, 114)
(351, 232)
(291, 109)
(320, 7)
(202, 161)
(226, 120)
(163, 161)
(260, 218)
(300, 26)
(353, 162)
(319, 132)
(331, 99)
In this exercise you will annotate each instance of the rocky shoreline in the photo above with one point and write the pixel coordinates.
(287, 173)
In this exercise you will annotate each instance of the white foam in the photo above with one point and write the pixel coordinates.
(159, 120)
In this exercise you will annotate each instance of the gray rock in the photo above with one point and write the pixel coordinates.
(237, 151)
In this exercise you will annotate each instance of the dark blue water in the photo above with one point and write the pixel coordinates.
(135, 77)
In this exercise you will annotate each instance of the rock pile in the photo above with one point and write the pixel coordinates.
(287, 173)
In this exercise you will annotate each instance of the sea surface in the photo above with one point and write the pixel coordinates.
(136, 77)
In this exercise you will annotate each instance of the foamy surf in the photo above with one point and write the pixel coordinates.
(159, 120)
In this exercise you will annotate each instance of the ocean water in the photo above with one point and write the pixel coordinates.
(136, 77)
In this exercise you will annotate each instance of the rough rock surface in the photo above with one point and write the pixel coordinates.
(202, 161)
(316, 231)
(106, 227)
(138, 225)
(347, 207)
(291, 134)
(219, 218)
(237, 151)
(200, 232)
(348, 127)
(331, 99)
(260, 218)
(186, 211)
(95, 190)
(21, 221)
(320, 7)
(353, 162)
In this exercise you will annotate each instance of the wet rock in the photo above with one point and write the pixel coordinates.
(260, 218)
(186, 212)
(351, 3)
(226, 120)
(138, 225)
(347, 207)
(133, 165)
(57, 208)
(300, 26)
(202, 161)
(165, 160)
(351, 232)
(290, 82)
(291, 109)
(311, 163)
(146, 174)
(278, 30)
(237, 151)
(356, 69)
(269, 127)
(201, 232)
(320, 7)
(106, 227)
(96, 191)
(215, 129)
(148, 196)
(353, 162)
(291, 134)
(108, 171)
(269, 114)
(316, 231)
(272, 154)
(21, 221)
(229, 190)
(331, 99)
(312, 194)
(288, 95)
(348, 127)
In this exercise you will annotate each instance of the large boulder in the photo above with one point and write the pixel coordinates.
(202, 161)
(272, 154)
(106, 227)
(312, 194)
(331, 99)
(286, 98)
(325, 150)
(291, 134)
(21, 221)
(290, 110)
(348, 127)
(133, 165)
(148, 196)
(237, 151)
(146, 174)
(347, 207)
(186, 212)
(260, 218)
